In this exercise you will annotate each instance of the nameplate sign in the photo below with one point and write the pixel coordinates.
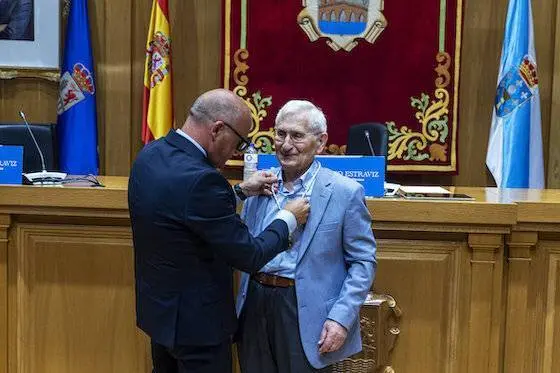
(366, 170)
(11, 164)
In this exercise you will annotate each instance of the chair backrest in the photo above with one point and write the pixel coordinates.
(17, 134)
(357, 143)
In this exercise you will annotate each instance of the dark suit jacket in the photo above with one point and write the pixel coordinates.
(187, 235)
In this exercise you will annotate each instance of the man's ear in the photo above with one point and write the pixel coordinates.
(215, 129)
(322, 140)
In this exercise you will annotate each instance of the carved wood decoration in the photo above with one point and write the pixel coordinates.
(380, 321)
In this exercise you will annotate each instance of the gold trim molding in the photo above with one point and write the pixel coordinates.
(13, 73)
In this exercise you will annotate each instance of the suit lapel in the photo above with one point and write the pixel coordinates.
(320, 197)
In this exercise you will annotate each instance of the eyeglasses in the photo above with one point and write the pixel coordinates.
(243, 143)
(295, 136)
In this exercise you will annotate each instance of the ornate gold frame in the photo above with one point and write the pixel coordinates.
(52, 75)
(12, 73)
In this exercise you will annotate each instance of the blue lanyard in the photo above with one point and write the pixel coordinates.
(306, 191)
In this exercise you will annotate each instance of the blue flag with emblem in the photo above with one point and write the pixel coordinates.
(515, 151)
(77, 118)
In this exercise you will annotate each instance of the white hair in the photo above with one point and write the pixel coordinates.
(315, 118)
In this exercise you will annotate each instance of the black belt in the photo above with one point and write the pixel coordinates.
(273, 280)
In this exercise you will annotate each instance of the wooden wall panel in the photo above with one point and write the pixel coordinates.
(75, 299)
(98, 37)
(551, 359)
(37, 98)
(532, 327)
(117, 78)
(469, 303)
(427, 288)
(119, 31)
(196, 52)
(554, 139)
(545, 16)
(482, 37)
(140, 20)
(4, 225)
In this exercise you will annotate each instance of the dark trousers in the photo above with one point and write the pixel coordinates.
(268, 339)
(192, 359)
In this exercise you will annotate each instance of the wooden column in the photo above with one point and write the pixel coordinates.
(485, 305)
(4, 226)
(520, 329)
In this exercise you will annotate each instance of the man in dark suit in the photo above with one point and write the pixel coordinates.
(187, 236)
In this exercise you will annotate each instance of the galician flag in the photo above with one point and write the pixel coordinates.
(515, 153)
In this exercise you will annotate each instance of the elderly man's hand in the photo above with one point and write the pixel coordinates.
(332, 337)
(260, 182)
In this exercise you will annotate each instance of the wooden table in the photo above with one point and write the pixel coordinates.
(478, 282)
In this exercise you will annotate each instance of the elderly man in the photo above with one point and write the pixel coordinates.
(187, 236)
(299, 313)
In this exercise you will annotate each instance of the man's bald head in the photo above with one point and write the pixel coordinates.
(224, 105)
(213, 120)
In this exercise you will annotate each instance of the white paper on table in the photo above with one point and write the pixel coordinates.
(424, 189)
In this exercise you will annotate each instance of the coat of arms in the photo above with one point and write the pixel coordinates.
(73, 87)
(516, 87)
(342, 22)
(158, 58)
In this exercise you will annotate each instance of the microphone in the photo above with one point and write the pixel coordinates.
(390, 188)
(366, 133)
(43, 177)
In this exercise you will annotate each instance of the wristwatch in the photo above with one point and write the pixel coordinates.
(237, 189)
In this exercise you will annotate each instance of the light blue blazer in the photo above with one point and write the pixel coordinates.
(336, 264)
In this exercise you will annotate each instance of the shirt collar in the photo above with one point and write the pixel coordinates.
(180, 132)
(304, 180)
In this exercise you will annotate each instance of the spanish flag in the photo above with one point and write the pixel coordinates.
(157, 113)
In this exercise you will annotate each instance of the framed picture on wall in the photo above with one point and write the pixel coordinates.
(30, 38)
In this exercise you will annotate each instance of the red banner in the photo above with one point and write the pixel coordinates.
(360, 61)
